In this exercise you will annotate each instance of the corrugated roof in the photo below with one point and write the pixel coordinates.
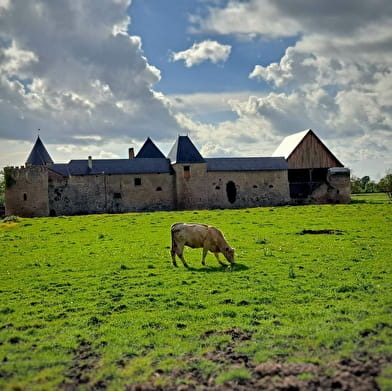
(39, 156)
(114, 166)
(246, 164)
(289, 143)
(184, 151)
(149, 150)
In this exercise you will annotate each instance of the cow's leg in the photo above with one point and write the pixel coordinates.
(205, 251)
(217, 257)
(173, 254)
(179, 249)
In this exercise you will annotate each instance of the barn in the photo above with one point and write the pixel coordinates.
(314, 173)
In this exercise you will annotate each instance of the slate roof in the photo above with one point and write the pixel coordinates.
(114, 166)
(39, 156)
(184, 151)
(149, 150)
(246, 164)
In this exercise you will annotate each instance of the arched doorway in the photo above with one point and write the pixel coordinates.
(231, 192)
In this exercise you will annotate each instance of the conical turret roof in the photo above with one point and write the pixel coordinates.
(184, 151)
(150, 150)
(39, 156)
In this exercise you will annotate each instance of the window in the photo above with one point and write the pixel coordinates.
(187, 172)
(117, 195)
(138, 181)
(24, 197)
(159, 188)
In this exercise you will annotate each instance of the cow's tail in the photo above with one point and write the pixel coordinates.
(173, 230)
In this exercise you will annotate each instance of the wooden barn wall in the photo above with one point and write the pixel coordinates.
(311, 153)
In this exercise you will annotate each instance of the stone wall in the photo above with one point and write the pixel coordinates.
(26, 193)
(110, 193)
(197, 188)
(336, 189)
(36, 191)
(243, 189)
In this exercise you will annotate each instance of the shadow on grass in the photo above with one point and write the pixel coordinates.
(237, 267)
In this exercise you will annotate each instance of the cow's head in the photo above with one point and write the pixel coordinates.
(229, 254)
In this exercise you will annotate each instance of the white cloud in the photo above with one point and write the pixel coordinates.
(336, 78)
(246, 17)
(203, 51)
(71, 69)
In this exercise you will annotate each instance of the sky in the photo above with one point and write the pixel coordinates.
(237, 76)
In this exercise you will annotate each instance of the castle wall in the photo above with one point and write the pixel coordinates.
(198, 188)
(110, 193)
(26, 193)
(243, 189)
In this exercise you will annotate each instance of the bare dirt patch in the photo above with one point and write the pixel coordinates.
(358, 373)
(84, 362)
(321, 232)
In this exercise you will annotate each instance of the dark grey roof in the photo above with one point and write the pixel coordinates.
(246, 164)
(60, 168)
(39, 156)
(149, 150)
(114, 166)
(183, 151)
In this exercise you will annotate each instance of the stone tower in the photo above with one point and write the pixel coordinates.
(191, 174)
(26, 192)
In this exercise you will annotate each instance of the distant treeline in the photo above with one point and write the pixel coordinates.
(367, 185)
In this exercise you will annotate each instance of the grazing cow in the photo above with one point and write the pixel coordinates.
(199, 236)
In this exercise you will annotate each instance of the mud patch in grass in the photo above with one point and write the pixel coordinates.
(347, 374)
(79, 373)
(321, 232)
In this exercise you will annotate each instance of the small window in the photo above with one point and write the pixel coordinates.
(117, 195)
(255, 186)
(138, 181)
(159, 188)
(187, 172)
(24, 197)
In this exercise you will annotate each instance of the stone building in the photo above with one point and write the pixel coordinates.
(184, 179)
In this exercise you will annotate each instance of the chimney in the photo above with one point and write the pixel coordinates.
(90, 162)
(131, 153)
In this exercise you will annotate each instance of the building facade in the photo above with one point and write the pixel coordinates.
(184, 179)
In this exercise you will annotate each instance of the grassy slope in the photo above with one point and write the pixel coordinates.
(106, 283)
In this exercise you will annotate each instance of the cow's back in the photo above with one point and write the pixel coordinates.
(192, 235)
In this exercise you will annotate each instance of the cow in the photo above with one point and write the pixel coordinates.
(199, 236)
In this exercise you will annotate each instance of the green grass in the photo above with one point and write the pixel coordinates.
(97, 295)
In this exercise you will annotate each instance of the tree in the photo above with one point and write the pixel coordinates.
(355, 185)
(2, 188)
(385, 184)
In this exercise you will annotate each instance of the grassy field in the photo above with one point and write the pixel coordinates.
(93, 302)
